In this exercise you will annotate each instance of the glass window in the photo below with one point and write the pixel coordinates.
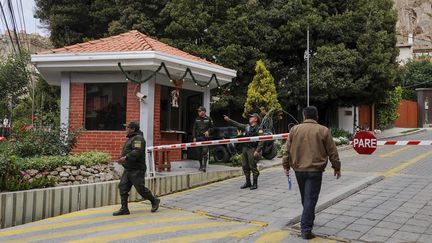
(105, 106)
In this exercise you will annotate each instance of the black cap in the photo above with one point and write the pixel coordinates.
(133, 125)
(256, 116)
(202, 108)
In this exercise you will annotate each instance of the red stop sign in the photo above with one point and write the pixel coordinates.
(364, 143)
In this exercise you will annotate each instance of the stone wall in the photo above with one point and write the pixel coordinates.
(75, 175)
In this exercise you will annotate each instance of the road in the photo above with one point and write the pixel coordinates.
(385, 197)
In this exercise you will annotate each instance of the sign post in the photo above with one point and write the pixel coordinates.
(365, 143)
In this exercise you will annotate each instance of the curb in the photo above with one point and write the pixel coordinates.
(322, 206)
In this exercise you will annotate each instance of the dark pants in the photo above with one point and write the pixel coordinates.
(310, 187)
(135, 178)
(249, 163)
(203, 152)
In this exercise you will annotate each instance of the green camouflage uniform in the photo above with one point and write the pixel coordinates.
(135, 168)
(202, 125)
(249, 163)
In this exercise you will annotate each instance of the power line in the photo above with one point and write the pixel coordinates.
(7, 27)
(414, 38)
(14, 25)
(23, 23)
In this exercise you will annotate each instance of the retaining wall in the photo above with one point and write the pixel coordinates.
(22, 207)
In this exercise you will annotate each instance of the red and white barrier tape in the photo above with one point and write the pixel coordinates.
(404, 142)
(219, 142)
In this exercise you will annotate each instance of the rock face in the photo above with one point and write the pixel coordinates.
(414, 16)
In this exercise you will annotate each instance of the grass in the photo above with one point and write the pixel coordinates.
(411, 130)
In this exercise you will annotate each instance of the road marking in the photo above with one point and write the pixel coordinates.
(154, 231)
(273, 236)
(68, 233)
(395, 152)
(397, 169)
(58, 225)
(239, 234)
(89, 212)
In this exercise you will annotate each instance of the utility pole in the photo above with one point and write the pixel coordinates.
(307, 63)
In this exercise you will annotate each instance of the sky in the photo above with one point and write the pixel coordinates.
(32, 25)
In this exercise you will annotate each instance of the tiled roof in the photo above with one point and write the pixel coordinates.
(127, 42)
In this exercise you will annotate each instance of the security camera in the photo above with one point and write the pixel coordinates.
(141, 96)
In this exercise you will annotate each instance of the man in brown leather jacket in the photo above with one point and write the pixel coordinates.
(307, 151)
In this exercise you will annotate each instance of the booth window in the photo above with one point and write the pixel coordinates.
(105, 106)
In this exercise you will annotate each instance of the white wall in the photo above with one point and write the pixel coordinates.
(346, 118)
(405, 54)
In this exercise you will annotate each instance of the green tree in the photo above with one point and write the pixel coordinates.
(261, 94)
(13, 82)
(387, 109)
(417, 74)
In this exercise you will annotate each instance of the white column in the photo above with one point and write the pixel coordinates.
(147, 111)
(64, 100)
(206, 100)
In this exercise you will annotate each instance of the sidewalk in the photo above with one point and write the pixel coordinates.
(398, 132)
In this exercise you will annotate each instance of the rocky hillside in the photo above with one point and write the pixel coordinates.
(415, 16)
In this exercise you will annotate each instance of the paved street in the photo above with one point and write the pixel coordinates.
(386, 197)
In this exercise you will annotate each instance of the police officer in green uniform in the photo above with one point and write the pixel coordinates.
(133, 160)
(201, 132)
(251, 152)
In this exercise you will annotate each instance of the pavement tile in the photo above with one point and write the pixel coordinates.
(373, 216)
(336, 223)
(406, 236)
(425, 239)
(359, 228)
(414, 228)
(381, 231)
(327, 230)
(389, 225)
(374, 238)
(369, 222)
(354, 213)
(349, 234)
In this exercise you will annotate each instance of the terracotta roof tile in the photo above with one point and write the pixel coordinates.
(129, 41)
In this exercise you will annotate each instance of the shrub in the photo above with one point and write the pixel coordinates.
(38, 142)
(51, 162)
(16, 183)
(236, 160)
(337, 133)
(337, 141)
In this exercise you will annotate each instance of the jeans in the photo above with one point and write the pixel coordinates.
(310, 187)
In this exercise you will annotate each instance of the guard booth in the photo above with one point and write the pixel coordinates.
(112, 81)
(424, 102)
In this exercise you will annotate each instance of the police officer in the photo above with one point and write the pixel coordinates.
(201, 132)
(251, 152)
(133, 161)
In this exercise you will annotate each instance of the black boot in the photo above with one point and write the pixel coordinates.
(155, 205)
(204, 165)
(124, 210)
(247, 184)
(255, 183)
(201, 166)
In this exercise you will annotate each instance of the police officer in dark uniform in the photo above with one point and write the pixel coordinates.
(251, 152)
(201, 132)
(133, 161)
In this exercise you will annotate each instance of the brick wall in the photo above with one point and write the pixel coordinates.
(107, 141)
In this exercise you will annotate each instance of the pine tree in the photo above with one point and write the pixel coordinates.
(261, 94)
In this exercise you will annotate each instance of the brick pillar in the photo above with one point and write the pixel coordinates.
(132, 103)
(157, 109)
(76, 108)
